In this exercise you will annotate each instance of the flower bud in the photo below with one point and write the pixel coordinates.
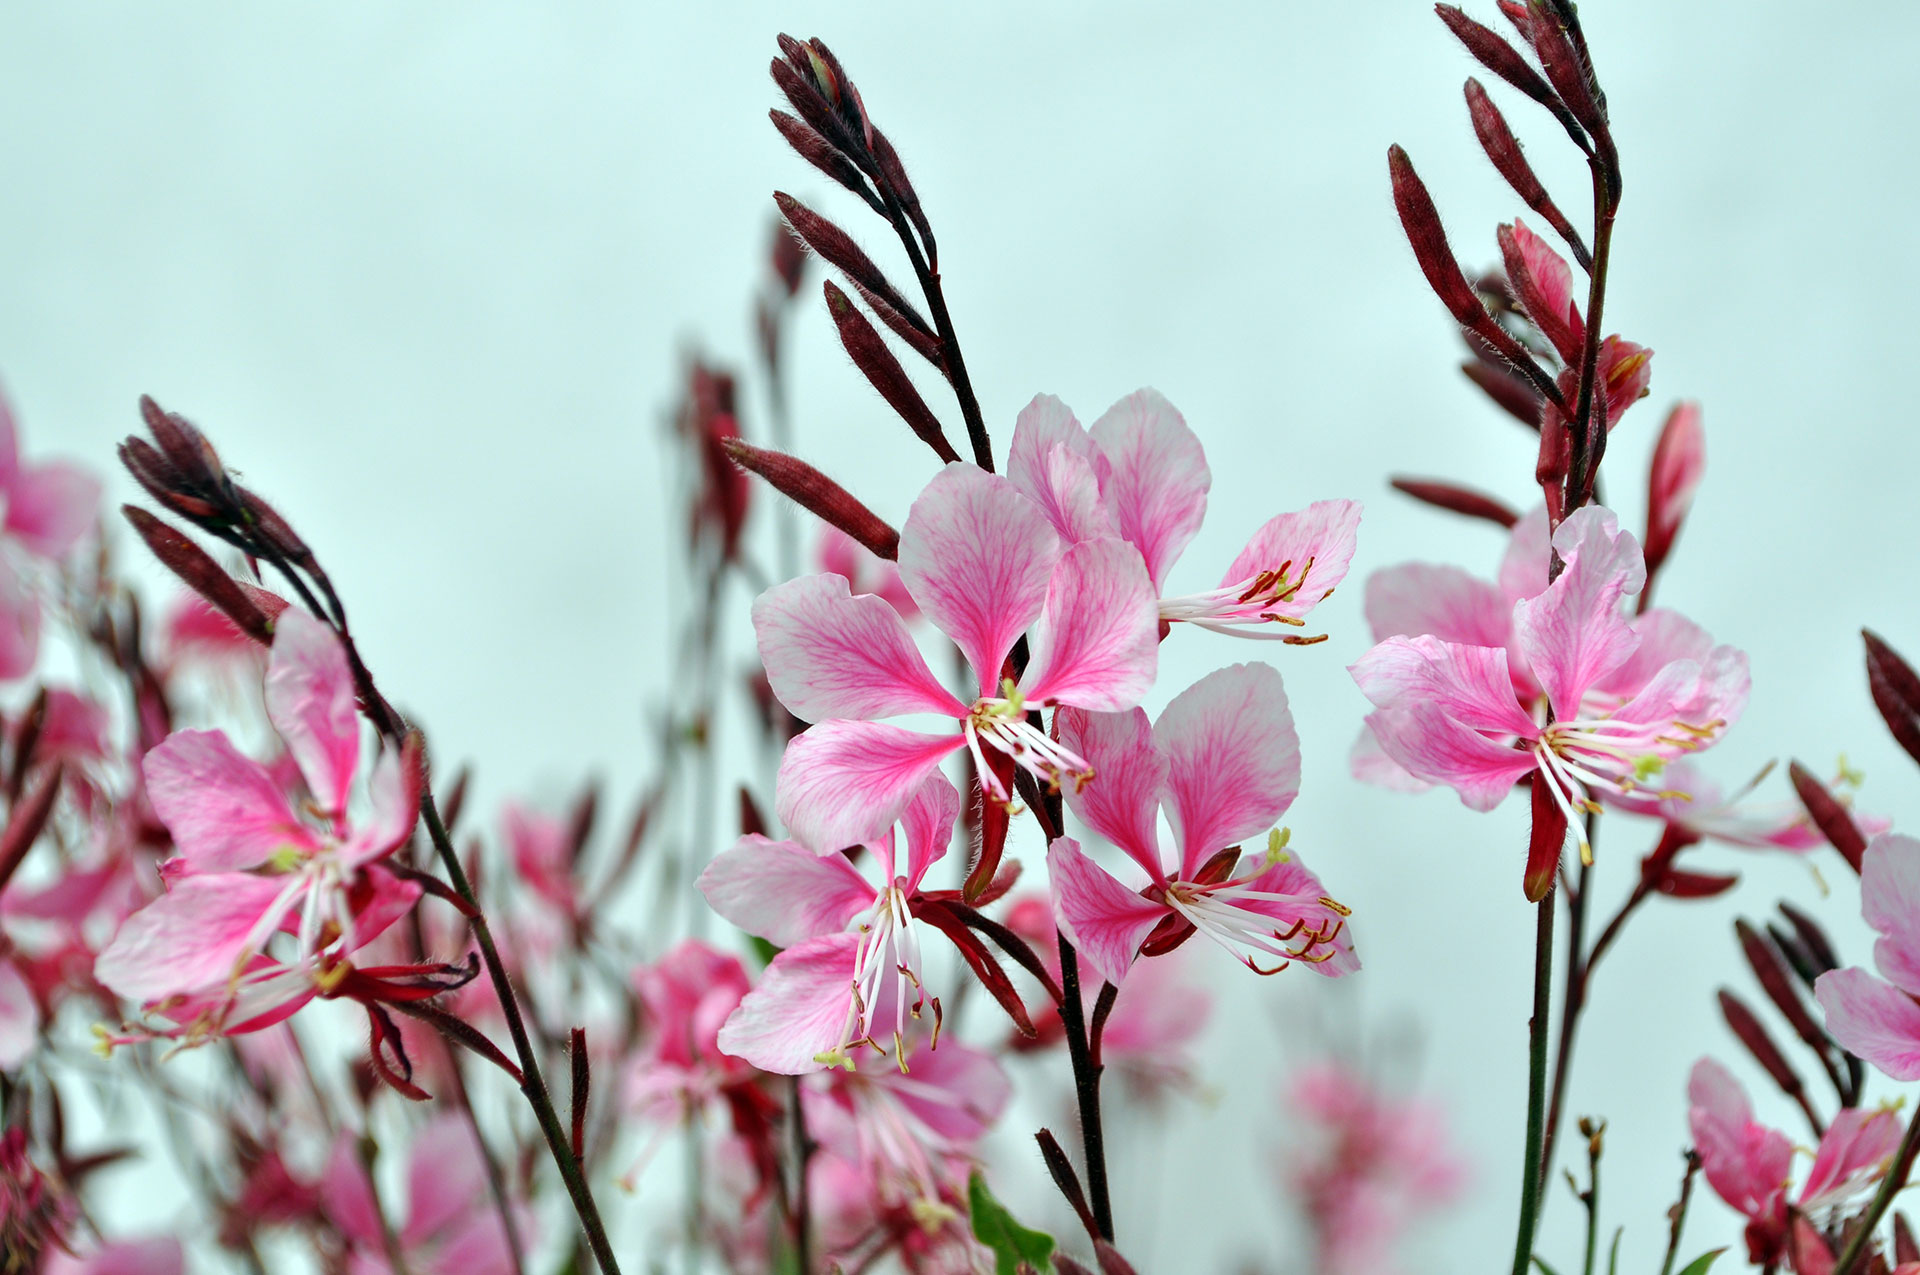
(818, 494)
(871, 355)
(1896, 692)
(1679, 463)
(1460, 500)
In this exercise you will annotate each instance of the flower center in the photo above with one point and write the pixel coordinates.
(1002, 724)
(1249, 604)
(889, 947)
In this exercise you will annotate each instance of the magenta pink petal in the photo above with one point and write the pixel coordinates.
(383, 899)
(956, 1092)
(1157, 478)
(1573, 634)
(829, 653)
(1746, 1163)
(845, 783)
(1104, 920)
(1417, 599)
(224, 810)
(349, 1197)
(1054, 462)
(1313, 548)
(1098, 643)
(445, 1178)
(396, 786)
(1852, 1156)
(799, 1010)
(1122, 801)
(1554, 283)
(50, 506)
(1471, 684)
(1431, 745)
(192, 937)
(783, 892)
(1233, 760)
(1873, 1019)
(1890, 902)
(309, 696)
(158, 1255)
(927, 826)
(977, 555)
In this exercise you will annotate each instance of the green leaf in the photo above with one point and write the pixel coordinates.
(1011, 1242)
(762, 949)
(1698, 1266)
(1613, 1254)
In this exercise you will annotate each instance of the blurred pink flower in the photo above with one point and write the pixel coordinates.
(1877, 1018)
(48, 507)
(451, 1226)
(865, 571)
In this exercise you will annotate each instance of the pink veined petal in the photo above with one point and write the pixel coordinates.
(829, 653)
(1554, 282)
(1529, 552)
(866, 571)
(1663, 636)
(396, 786)
(1433, 746)
(1105, 921)
(192, 937)
(1851, 1157)
(1890, 903)
(309, 696)
(19, 1017)
(798, 1011)
(1314, 545)
(382, 899)
(1122, 801)
(1470, 684)
(1233, 760)
(19, 625)
(349, 1195)
(845, 783)
(1098, 643)
(1746, 1163)
(1368, 762)
(927, 826)
(1417, 598)
(50, 506)
(956, 1092)
(1054, 462)
(1157, 478)
(1679, 464)
(783, 892)
(1708, 697)
(225, 811)
(977, 555)
(1573, 634)
(1873, 1019)
(1309, 906)
(445, 1178)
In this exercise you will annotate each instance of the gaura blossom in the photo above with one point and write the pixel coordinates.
(1618, 697)
(451, 1226)
(47, 508)
(252, 864)
(1695, 809)
(1749, 1165)
(982, 564)
(851, 966)
(1876, 1018)
(1140, 474)
(866, 571)
(1224, 763)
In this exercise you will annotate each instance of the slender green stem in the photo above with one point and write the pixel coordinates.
(1592, 1198)
(1530, 1181)
(1855, 1252)
(1680, 1212)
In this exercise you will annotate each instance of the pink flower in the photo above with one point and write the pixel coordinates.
(1695, 809)
(451, 1226)
(1876, 1018)
(686, 996)
(47, 509)
(251, 865)
(865, 571)
(1679, 463)
(1224, 762)
(160, 1255)
(981, 562)
(1618, 698)
(851, 960)
(1139, 473)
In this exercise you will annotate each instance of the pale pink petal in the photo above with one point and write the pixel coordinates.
(927, 825)
(349, 1197)
(799, 1011)
(1663, 636)
(783, 892)
(1625, 369)
(1233, 760)
(1852, 1156)
(1416, 599)
(1098, 643)
(1157, 477)
(1431, 745)
(1369, 763)
(1746, 1163)
(1707, 697)
(1312, 549)
(477, 1245)
(225, 811)
(1529, 552)
(1872, 1019)
(829, 653)
(1679, 464)
(19, 624)
(977, 556)
(445, 1178)
(1573, 634)
(1104, 920)
(9, 443)
(309, 696)
(1470, 684)
(956, 1092)
(159, 1255)
(50, 506)
(866, 571)
(1054, 462)
(19, 1017)
(1890, 902)
(192, 937)
(541, 849)
(1306, 906)
(396, 786)
(1122, 800)
(845, 783)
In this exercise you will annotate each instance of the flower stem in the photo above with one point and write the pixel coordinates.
(1086, 1083)
(955, 365)
(1897, 1173)
(1679, 1212)
(1531, 1178)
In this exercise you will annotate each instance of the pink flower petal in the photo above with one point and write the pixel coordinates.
(829, 653)
(1233, 760)
(799, 1010)
(19, 625)
(1746, 1163)
(1679, 464)
(1417, 599)
(1369, 763)
(1431, 745)
(956, 1092)
(445, 1179)
(1470, 684)
(1158, 478)
(1553, 286)
(224, 810)
(194, 936)
(1104, 920)
(50, 506)
(1890, 903)
(1315, 547)
(1663, 636)
(397, 783)
(349, 1195)
(1852, 1156)
(927, 826)
(977, 556)
(845, 783)
(159, 1255)
(1573, 634)
(783, 892)
(309, 696)
(1529, 552)
(19, 1017)
(1307, 906)
(1122, 801)
(1098, 644)
(1054, 462)
(1873, 1019)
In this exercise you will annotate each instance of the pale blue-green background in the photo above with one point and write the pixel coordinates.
(424, 271)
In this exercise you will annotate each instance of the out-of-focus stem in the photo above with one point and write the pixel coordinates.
(803, 1148)
(1578, 967)
(1680, 1212)
(1531, 1176)
(1854, 1253)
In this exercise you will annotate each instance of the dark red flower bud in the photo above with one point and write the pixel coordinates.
(818, 494)
(1768, 967)
(1459, 500)
(894, 174)
(1421, 222)
(1548, 839)
(1896, 691)
(1494, 53)
(1513, 394)
(1812, 938)
(1678, 884)
(26, 822)
(197, 569)
(821, 153)
(1759, 1044)
(871, 355)
(1503, 148)
(1679, 463)
(1832, 818)
(1568, 74)
(1061, 1170)
(838, 248)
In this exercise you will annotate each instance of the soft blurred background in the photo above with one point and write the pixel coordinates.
(427, 274)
